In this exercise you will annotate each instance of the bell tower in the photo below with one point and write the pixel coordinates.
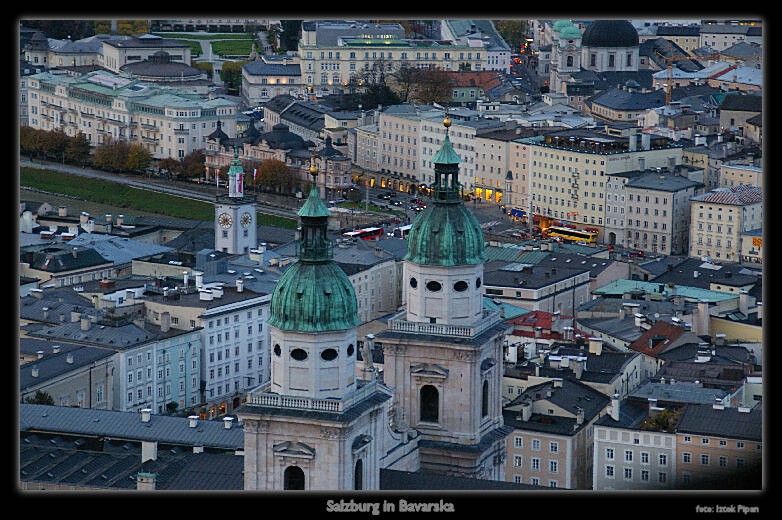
(443, 353)
(316, 425)
(235, 214)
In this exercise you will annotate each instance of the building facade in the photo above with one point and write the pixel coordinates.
(720, 217)
(106, 108)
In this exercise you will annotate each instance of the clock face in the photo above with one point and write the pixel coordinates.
(225, 220)
(246, 219)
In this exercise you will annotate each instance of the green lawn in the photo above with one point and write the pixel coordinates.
(126, 197)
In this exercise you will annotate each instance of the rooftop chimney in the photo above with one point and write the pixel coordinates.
(227, 421)
(85, 323)
(193, 420)
(69, 358)
(239, 285)
(146, 413)
(165, 321)
(40, 354)
(615, 407)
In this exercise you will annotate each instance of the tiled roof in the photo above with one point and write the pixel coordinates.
(736, 195)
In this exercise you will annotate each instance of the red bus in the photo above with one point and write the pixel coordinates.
(370, 233)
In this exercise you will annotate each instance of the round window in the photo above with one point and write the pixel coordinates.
(413, 283)
(460, 286)
(329, 354)
(277, 350)
(433, 286)
(299, 354)
(350, 349)
(477, 283)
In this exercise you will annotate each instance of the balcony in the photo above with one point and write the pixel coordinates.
(399, 324)
(262, 397)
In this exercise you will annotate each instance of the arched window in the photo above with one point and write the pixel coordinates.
(430, 404)
(358, 476)
(293, 478)
(485, 399)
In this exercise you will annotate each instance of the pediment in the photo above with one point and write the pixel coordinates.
(428, 369)
(294, 448)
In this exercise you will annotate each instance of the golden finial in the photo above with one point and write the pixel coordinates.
(446, 122)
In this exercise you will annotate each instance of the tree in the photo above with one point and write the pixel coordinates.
(32, 141)
(406, 79)
(434, 86)
(137, 158)
(514, 32)
(40, 397)
(193, 164)
(78, 149)
(231, 74)
(171, 165)
(289, 37)
(274, 175)
(111, 156)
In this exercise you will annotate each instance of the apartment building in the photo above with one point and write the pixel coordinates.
(629, 457)
(231, 325)
(735, 174)
(538, 287)
(73, 375)
(399, 145)
(107, 107)
(61, 265)
(157, 367)
(719, 447)
(462, 133)
(494, 181)
(568, 171)
(479, 33)
(719, 36)
(269, 76)
(658, 211)
(551, 443)
(720, 217)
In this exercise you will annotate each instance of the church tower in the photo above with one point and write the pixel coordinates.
(235, 212)
(565, 54)
(443, 354)
(316, 425)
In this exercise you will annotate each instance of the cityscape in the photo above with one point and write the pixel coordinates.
(430, 260)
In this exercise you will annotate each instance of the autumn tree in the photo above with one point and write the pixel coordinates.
(275, 176)
(77, 150)
(32, 141)
(433, 86)
(193, 164)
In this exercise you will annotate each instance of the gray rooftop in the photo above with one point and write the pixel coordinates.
(129, 426)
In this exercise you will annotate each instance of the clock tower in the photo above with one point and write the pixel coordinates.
(235, 213)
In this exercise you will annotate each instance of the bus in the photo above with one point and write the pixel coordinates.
(574, 235)
(402, 231)
(370, 233)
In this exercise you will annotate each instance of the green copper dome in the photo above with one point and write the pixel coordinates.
(446, 233)
(570, 33)
(314, 294)
(314, 297)
(561, 24)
